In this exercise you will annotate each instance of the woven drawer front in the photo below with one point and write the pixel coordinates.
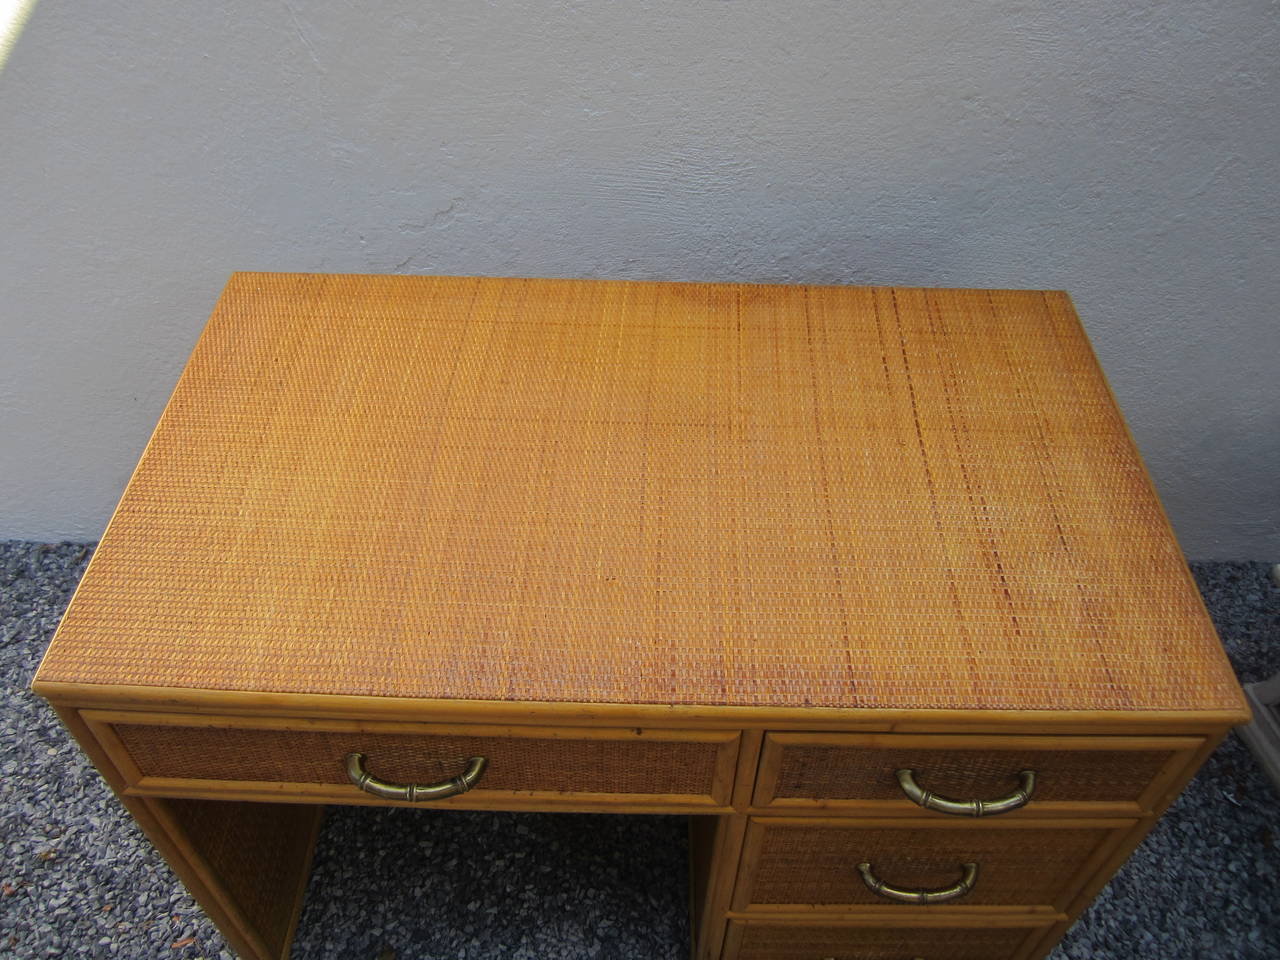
(606, 762)
(802, 863)
(794, 942)
(864, 768)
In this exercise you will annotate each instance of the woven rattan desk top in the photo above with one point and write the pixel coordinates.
(644, 493)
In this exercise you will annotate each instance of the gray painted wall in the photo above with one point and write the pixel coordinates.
(1124, 152)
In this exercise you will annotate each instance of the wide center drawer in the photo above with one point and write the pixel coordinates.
(257, 757)
(794, 864)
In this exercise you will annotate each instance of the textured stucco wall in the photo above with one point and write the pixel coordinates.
(1124, 152)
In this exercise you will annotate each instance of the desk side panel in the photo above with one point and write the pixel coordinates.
(246, 864)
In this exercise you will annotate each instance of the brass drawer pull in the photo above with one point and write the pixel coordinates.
(414, 792)
(920, 896)
(967, 808)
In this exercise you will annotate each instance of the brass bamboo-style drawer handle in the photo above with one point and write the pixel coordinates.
(967, 808)
(414, 792)
(920, 896)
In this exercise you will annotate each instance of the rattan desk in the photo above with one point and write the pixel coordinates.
(799, 561)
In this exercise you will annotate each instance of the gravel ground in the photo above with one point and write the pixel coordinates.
(78, 879)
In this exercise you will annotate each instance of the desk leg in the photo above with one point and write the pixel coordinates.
(246, 864)
(250, 859)
(715, 846)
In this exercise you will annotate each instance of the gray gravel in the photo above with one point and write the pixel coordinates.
(79, 880)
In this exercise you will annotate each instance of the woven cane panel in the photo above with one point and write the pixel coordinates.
(515, 763)
(818, 865)
(620, 492)
(878, 943)
(257, 851)
(871, 774)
